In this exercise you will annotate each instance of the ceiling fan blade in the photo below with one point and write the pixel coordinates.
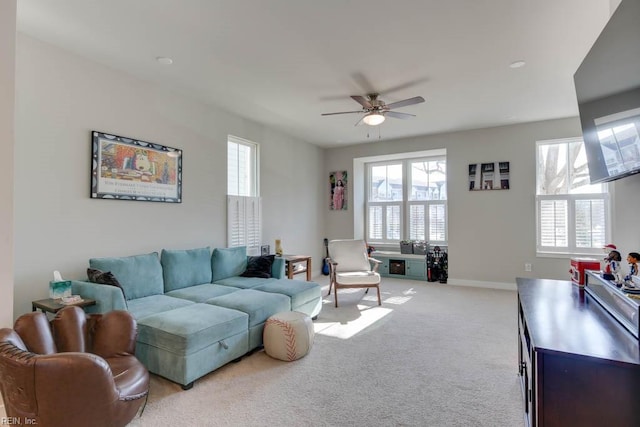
(362, 101)
(398, 115)
(342, 112)
(404, 103)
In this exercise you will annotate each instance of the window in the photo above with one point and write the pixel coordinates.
(242, 167)
(244, 207)
(407, 200)
(572, 214)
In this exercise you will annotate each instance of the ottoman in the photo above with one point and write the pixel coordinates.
(258, 305)
(288, 335)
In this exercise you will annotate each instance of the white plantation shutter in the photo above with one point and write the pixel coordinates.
(437, 222)
(244, 223)
(417, 222)
(375, 223)
(393, 222)
(590, 215)
(554, 229)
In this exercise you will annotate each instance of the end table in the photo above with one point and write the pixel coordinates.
(290, 260)
(53, 305)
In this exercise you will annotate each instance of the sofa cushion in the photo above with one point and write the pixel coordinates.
(183, 268)
(259, 266)
(153, 304)
(201, 293)
(243, 282)
(228, 262)
(189, 329)
(258, 305)
(139, 275)
(299, 291)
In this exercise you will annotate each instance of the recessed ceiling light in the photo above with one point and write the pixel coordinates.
(517, 64)
(164, 60)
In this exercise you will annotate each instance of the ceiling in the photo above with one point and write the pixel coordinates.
(285, 62)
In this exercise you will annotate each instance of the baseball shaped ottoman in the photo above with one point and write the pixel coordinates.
(288, 335)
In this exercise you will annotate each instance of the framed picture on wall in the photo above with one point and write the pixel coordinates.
(128, 169)
(338, 191)
(489, 176)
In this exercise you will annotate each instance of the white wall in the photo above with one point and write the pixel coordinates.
(61, 98)
(7, 97)
(492, 234)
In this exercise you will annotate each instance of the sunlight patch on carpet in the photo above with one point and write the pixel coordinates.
(397, 300)
(368, 316)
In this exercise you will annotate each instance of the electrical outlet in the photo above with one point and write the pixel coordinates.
(527, 266)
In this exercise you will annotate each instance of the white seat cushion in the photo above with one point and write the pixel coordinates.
(358, 277)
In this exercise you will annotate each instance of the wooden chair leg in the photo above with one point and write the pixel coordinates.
(330, 285)
(335, 295)
(379, 300)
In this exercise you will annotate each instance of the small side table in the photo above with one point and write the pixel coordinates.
(290, 260)
(54, 306)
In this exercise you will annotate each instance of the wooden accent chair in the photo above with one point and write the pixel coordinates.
(350, 267)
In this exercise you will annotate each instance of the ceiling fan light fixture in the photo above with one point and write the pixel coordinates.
(373, 119)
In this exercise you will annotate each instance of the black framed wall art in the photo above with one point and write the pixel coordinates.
(129, 169)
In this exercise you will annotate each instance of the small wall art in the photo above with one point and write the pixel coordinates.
(489, 176)
(128, 169)
(338, 194)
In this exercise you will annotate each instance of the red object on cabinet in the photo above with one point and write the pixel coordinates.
(579, 265)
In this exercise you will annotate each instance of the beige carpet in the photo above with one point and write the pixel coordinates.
(432, 355)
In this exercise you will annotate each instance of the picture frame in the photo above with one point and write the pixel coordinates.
(265, 249)
(489, 176)
(338, 197)
(129, 169)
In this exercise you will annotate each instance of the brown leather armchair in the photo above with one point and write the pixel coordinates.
(76, 370)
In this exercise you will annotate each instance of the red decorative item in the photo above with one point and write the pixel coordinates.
(579, 265)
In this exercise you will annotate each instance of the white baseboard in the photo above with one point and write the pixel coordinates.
(482, 284)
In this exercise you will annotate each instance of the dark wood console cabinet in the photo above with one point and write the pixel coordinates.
(578, 366)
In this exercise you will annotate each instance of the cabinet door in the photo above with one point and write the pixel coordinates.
(417, 269)
(383, 269)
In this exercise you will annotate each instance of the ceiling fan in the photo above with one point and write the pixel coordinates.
(375, 110)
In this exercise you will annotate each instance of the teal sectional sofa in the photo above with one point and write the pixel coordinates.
(194, 309)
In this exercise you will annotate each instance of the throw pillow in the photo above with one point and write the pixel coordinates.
(259, 266)
(104, 278)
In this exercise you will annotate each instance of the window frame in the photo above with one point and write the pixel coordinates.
(254, 166)
(404, 204)
(572, 248)
(244, 211)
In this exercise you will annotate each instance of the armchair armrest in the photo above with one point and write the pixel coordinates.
(376, 263)
(108, 298)
(277, 269)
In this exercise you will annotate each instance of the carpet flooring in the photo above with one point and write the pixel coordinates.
(431, 355)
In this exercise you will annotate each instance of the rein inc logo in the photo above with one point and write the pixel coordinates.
(17, 421)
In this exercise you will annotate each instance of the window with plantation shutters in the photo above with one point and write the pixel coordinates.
(244, 217)
(244, 208)
(407, 200)
(572, 214)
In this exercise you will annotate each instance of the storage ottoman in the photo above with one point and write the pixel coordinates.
(205, 335)
(258, 305)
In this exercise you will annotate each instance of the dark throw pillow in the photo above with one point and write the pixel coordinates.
(104, 278)
(259, 266)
